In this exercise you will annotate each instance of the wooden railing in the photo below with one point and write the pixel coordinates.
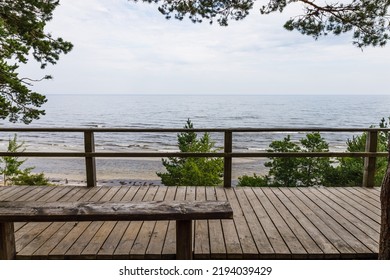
(90, 154)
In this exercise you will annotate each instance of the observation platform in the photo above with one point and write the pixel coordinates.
(269, 223)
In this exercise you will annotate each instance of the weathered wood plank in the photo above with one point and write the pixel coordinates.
(15, 192)
(232, 241)
(101, 235)
(321, 220)
(111, 243)
(142, 241)
(279, 246)
(249, 250)
(368, 217)
(309, 222)
(201, 231)
(156, 243)
(367, 192)
(82, 241)
(128, 238)
(169, 249)
(305, 239)
(263, 245)
(326, 238)
(217, 242)
(296, 248)
(362, 199)
(336, 222)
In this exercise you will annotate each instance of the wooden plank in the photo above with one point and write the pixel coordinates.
(337, 222)
(4, 190)
(65, 238)
(354, 225)
(157, 239)
(231, 238)
(82, 240)
(263, 245)
(275, 196)
(112, 241)
(60, 240)
(31, 230)
(367, 192)
(26, 195)
(8, 191)
(360, 198)
(280, 248)
(217, 242)
(248, 245)
(128, 238)
(54, 194)
(39, 240)
(100, 236)
(14, 191)
(367, 217)
(169, 249)
(201, 231)
(309, 222)
(142, 241)
(320, 219)
(357, 203)
(288, 236)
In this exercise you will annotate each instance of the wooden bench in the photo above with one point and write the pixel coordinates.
(183, 212)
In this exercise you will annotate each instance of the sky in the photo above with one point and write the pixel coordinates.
(122, 47)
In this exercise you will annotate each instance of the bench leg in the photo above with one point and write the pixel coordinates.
(184, 240)
(7, 241)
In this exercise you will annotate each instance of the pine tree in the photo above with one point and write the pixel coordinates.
(193, 171)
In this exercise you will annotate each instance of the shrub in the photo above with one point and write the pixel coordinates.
(197, 171)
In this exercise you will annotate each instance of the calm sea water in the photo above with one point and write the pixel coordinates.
(165, 111)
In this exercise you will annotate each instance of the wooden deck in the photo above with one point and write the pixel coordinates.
(269, 223)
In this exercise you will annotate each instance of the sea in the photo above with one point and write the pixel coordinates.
(172, 111)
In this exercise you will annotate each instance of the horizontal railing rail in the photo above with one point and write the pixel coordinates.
(90, 154)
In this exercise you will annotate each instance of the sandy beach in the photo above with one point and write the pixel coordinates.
(119, 171)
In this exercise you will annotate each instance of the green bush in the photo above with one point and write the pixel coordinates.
(197, 171)
(11, 169)
(291, 172)
(253, 181)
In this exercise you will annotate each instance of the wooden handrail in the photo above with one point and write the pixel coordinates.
(90, 154)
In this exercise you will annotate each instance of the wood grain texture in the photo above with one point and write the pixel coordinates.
(18, 211)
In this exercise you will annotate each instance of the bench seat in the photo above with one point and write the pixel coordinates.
(183, 212)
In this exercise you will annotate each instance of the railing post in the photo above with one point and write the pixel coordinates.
(227, 171)
(370, 162)
(90, 163)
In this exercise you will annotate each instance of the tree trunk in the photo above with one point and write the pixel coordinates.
(384, 242)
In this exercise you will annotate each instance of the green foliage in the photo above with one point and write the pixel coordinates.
(253, 181)
(349, 171)
(284, 171)
(22, 33)
(197, 171)
(366, 20)
(11, 170)
(11, 165)
(311, 170)
(28, 179)
(291, 172)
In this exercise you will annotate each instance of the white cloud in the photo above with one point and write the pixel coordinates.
(126, 47)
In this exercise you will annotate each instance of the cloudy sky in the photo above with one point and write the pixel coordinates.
(122, 47)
